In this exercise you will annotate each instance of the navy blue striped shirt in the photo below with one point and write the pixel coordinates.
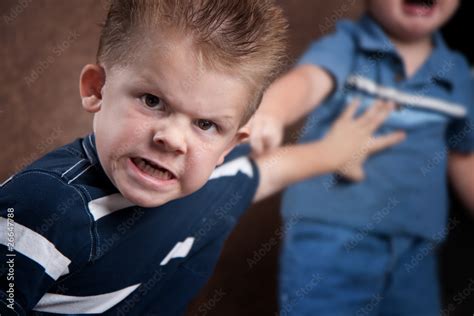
(71, 244)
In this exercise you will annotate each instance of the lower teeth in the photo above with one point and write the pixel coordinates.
(152, 171)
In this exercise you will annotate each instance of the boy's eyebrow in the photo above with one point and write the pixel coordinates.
(145, 80)
(224, 119)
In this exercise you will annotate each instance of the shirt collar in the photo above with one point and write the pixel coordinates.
(441, 65)
(88, 144)
(372, 38)
(101, 179)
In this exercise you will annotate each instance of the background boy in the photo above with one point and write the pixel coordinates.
(369, 233)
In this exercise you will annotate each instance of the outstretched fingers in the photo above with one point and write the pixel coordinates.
(382, 142)
(376, 115)
(350, 110)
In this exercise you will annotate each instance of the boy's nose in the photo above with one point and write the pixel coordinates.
(171, 139)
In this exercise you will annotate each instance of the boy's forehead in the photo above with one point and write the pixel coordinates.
(162, 53)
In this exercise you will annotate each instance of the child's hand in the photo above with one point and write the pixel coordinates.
(350, 140)
(266, 133)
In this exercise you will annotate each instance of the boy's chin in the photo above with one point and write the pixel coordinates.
(413, 34)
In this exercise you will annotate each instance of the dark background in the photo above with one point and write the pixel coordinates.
(45, 43)
(457, 254)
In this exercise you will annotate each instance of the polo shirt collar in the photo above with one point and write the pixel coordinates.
(440, 63)
(101, 179)
(88, 144)
(372, 38)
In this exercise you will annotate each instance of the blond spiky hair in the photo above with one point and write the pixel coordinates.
(242, 37)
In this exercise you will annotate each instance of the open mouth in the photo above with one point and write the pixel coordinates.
(152, 169)
(419, 7)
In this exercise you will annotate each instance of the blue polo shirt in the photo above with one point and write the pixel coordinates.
(405, 187)
(70, 243)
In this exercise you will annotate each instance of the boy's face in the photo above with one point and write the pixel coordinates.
(164, 122)
(412, 20)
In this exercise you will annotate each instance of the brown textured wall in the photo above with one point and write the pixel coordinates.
(45, 43)
(44, 46)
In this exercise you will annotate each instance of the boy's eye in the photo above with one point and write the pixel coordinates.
(205, 124)
(152, 101)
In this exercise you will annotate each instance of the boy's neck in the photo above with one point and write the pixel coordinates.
(414, 53)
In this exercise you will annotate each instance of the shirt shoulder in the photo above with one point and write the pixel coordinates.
(334, 52)
(49, 210)
(237, 177)
(343, 37)
(62, 161)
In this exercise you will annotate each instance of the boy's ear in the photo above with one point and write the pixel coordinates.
(242, 134)
(90, 86)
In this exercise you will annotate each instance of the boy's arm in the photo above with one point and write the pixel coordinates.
(461, 173)
(288, 99)
(321, 70)
(344, 149)
(460, 138)
(296, 93)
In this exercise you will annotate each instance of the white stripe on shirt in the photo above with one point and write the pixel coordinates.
(65, 304)
(108, 204)
(77, 176)
(180, 250)
(65, 172)
(233, 167)
(415, 100)
(37, 248)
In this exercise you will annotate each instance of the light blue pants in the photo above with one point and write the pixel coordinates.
(333, 270)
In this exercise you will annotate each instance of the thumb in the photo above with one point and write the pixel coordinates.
(358, 174)
(354, 174)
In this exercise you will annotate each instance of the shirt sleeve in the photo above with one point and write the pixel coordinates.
(334, 53)
(460, 134)
(38, 242)
(235, 181)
